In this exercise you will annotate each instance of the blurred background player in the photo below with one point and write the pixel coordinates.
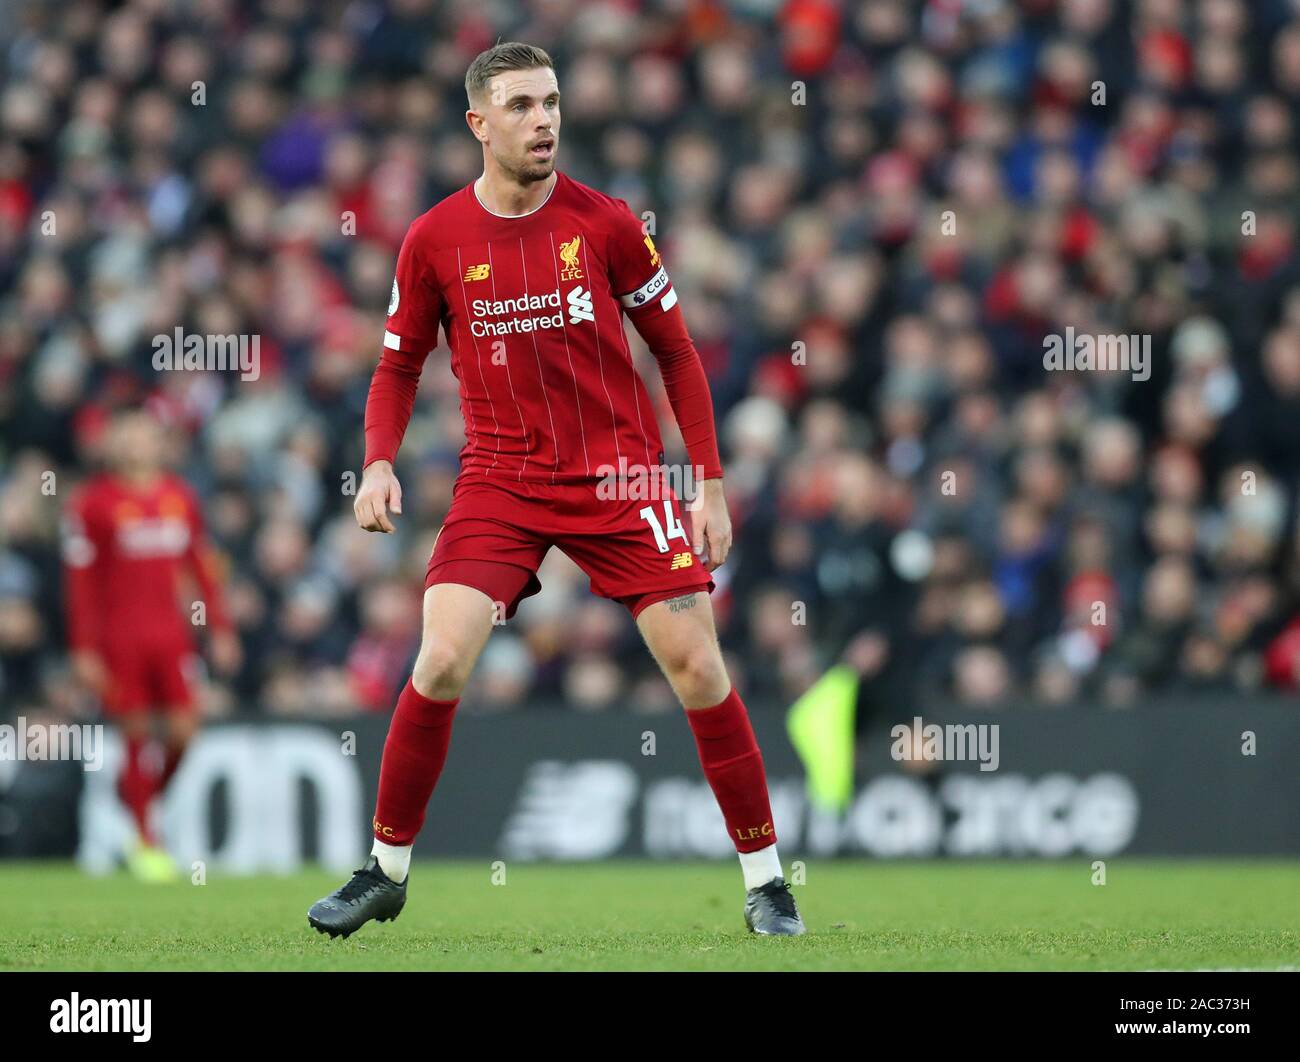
(133, 538)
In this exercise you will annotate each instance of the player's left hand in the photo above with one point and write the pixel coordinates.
(711, 526)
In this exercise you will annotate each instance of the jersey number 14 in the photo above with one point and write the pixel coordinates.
(670, 528)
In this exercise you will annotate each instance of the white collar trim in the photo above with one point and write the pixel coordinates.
(511, 217)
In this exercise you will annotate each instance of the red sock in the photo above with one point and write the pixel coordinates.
(416, 749)
(171, 760)
(137, 784)
(733, 766)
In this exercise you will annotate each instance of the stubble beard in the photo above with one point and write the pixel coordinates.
(529, 172)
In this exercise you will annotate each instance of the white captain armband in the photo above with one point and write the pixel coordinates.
(651, 290)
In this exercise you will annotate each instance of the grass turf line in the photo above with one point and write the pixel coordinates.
(673, 916)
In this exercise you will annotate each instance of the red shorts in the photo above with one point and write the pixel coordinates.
(635, 551)
(153, 674)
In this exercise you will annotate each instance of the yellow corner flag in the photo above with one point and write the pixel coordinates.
(820, 725)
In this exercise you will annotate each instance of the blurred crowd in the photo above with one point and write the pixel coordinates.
(874, 213)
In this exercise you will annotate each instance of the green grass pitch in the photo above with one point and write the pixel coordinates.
(1151, 915)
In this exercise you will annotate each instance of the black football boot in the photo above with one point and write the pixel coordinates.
(370, 894)
(771, 911)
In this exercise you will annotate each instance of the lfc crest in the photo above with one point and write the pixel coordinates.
(569, 256)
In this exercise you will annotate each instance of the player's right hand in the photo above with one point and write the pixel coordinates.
(380, 493)
(89, 670)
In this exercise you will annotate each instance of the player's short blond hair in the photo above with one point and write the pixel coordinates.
(512, 55)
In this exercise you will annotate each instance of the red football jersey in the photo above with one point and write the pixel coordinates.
(124, 551)
(533, 307)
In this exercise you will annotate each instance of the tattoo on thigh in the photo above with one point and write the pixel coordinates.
(681, 604)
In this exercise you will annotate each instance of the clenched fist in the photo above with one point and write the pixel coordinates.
(380, 493)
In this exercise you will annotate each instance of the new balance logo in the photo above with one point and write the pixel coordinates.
(681, 560)
(579, 300)
(478, 272)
